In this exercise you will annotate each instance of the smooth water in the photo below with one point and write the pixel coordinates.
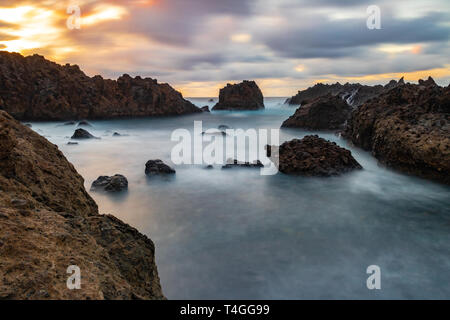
(234, 234)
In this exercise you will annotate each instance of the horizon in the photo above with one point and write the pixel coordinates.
(200, 46)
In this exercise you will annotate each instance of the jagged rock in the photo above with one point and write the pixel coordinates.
(33, 88)
(314, 156)
(156, 167)
(407, 128)
(428, 82)
(115, 183)
(57, 225)
(243, 96)
(82, 134)
(205, 109)
(239, 164)
(324, 113)
(354, 94)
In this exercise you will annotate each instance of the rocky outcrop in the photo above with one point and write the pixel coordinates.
(407, 128)
(157, 167)
(313, 156)
(33, 88)
(48, 222)
(243, 96)
(81, 134)
(324, 113)
(115, 183)
(354, 94)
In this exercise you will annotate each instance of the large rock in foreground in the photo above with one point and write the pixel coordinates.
(33, 88)
(324, 113)
(48, 222)
(314, 156)
(407, 128)
(243, 96)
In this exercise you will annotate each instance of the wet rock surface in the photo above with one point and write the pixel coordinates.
(243, 96)
(33, 88)
(407, 128)
(116, 183)
(324, 113)
(157, 167)
(50, 222)
(313, 156)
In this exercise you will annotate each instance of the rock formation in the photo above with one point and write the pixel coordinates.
(407, 128)
(156, 167)
(115, 183)
(243, 96)
(354, 94)
(48, 222)
(82, 134)
(33, 88)
(324, 113)
(314, 156)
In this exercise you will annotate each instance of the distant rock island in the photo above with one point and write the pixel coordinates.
(49, 222)
(354, 94)
(243, 96)
(33, 88)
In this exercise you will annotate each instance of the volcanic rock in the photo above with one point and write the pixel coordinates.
(314, 156)
(53, 223)
(407, 128)
(156, 167)
(115, 183)
(324, 113)
(243, 96)
(33, 88)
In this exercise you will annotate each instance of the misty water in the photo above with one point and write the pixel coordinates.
(234, 234)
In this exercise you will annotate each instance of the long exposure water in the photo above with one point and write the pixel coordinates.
(234, 234)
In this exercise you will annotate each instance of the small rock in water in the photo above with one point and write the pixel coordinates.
(209, 167)
(235, 163)
(211, 100)
(205, 109)
(116, 134)
(84, 123)
(115, 183)
(70, 123)
(72, 143)
(223, 127)
(154, 167)
(82, 134)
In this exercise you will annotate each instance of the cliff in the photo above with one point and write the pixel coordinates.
(33, 88)
(48, 222)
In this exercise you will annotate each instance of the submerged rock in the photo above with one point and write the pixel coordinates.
(407, 128)
(314, 156)
(82, 134)
(240, 164)
(70, 143)
(324, 113)
(115, 183)
(52, 222)
(243, 96)
(156, 167)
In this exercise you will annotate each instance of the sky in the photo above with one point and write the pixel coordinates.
(198, 46)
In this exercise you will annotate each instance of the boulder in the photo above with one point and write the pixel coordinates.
(407, 128)
(115, 183)
(35, 89)
(157, 167)
(205, 109)
(243, 96)
(82, 134)
(324, 113)
(314, 156)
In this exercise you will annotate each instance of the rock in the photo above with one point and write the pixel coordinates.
(407, 128)
(223, 127)
(314, 156)
(115, 183)
(84, 124)
(70, 143)
(211, 100)
(354, 94)
(427, 83)
(116, 134)
(209, 167)
(324, 113)
(63, 229)
(243, 96)
(82, 134)
(238, 164)
(156, 167)
(205, 109)
(70, 123)
(35, 89)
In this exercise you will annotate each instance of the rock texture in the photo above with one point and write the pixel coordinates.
(407, 128)
(49, 222)
(115, 183)
(314, 156)
(33, 88)
(324, 113)
(155, 167)
(243, 96)
(354, 94)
